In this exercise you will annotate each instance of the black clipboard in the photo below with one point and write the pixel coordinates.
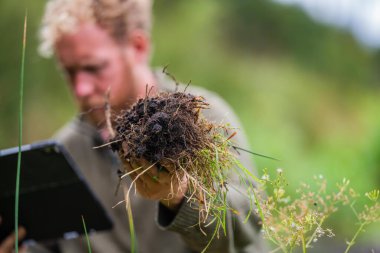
(53, 194)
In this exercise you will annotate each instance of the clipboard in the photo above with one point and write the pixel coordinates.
(53, 194)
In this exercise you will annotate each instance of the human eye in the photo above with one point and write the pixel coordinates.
(94, 68)
(70, 72)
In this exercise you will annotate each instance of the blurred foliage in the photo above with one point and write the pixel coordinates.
(270, 28)
(47, 101)
(306, 93)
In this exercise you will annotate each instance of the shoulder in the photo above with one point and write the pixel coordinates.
(219, 111)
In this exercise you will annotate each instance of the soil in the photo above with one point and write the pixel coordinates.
(167, 126)
(169, 131)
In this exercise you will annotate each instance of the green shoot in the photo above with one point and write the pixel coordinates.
(369, 215)
(131, 226)
(86, 234)
(20, 114)
(212, 237)
(352, 242)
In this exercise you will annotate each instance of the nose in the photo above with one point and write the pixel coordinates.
(83, 85)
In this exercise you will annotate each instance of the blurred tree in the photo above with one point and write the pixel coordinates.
(269, 28)
(47, 101)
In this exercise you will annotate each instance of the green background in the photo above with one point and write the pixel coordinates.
(306, 93)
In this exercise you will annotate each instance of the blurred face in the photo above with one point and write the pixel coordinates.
(94, 63)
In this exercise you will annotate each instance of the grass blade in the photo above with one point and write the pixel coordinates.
(131, 226)
(20, 114)
(254, 153)
(86, 234)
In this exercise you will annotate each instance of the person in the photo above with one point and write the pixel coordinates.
(103, 47)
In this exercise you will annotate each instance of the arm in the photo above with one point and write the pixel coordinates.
(241, 237)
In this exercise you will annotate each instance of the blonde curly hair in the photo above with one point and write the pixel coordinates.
(118, 17)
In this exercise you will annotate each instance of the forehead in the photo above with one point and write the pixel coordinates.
(89, 41)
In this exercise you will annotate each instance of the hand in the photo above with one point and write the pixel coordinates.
(164, 184)
(7, 246)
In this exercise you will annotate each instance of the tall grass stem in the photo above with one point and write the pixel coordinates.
(20, 114)
(352, 242)
(86, 234)
(131, 225)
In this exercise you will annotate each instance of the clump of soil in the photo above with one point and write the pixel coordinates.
(170, 128)
(167, 126)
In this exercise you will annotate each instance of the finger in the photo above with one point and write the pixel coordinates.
(153, 170)
(149, 172)
(161, 169)
(130, 170)
(23, 249)
(168, 172)
(21, 233)
(167, 166)
(127, 166)
(9, 242)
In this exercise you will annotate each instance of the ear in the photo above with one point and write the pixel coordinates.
(139, 43)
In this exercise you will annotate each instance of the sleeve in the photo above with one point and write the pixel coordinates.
(241, 236)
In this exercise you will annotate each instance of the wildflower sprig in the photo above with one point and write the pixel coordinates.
(299, 222)
(369, 214)
(373, 195)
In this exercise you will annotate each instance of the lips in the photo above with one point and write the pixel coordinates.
(92, 103)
